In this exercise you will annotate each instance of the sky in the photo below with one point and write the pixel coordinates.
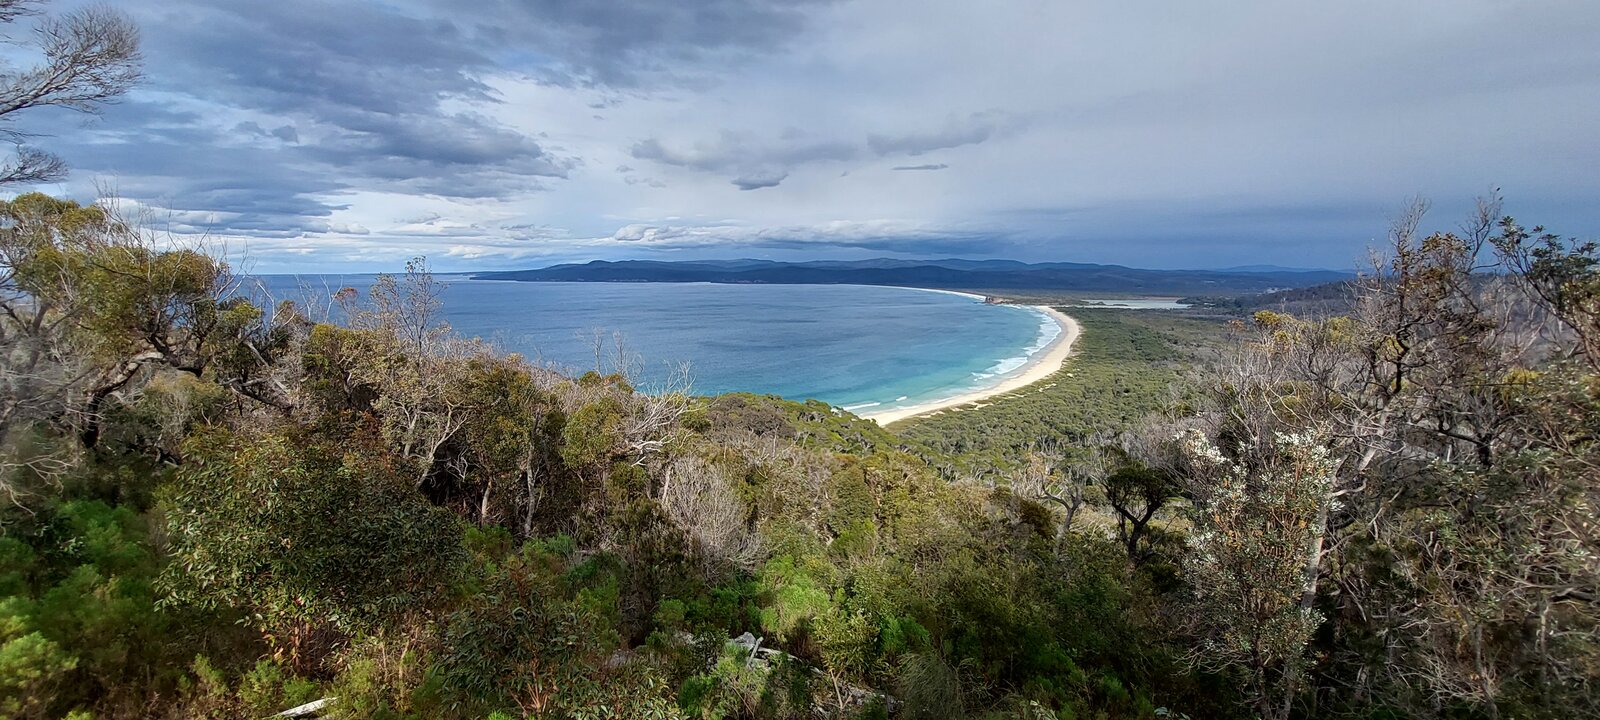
(308, 135)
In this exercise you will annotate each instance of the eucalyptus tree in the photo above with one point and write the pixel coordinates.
(92, 307)
(87, 57)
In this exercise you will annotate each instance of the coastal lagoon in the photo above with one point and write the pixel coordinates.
(865, 348)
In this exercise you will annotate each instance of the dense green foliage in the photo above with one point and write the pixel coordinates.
(286, 527)
(219, 511)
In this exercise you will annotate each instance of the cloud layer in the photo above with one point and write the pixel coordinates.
(514, 132)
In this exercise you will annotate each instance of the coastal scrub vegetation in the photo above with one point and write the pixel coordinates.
(1127, 365)
(217, 507)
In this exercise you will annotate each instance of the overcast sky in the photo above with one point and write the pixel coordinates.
(317, 135)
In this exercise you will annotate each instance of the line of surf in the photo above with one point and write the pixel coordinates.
(1044, 360)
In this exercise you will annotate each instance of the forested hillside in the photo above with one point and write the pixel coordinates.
(1335, 298)
(950, 273)
(217, 509)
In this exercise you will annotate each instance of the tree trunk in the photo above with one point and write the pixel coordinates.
(89, 435)
(1308, 596)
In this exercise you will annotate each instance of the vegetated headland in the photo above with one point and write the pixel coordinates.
(954, 274)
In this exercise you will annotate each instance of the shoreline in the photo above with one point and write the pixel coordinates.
(1041, 365)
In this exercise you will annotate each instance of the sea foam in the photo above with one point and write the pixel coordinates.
(1049, 330)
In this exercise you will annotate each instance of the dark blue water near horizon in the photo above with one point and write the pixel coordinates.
(855, 346)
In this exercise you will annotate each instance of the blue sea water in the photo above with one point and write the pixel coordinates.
(861, 347)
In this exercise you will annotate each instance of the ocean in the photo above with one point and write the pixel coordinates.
(854, 346)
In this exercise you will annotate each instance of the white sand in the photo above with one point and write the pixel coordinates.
(1043, 364)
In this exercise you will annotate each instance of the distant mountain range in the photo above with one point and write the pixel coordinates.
(1266, 269)
(952, 273)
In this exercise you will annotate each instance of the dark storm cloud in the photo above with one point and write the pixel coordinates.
(759, 180)
(303, 56)
(339, 96)
(366, 95)
(746, 156)
(391, 147)
(625, 43)
(207, 178)
(208, 192)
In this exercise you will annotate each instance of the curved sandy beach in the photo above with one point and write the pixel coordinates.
(1043, 364)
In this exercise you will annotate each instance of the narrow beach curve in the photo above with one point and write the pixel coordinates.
(1043, 364)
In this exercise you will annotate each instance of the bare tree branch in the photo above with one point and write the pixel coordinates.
(90, 57)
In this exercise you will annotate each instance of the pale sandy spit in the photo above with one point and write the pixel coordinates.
(1042, 365)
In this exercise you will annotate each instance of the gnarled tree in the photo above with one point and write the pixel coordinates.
(88, 57)
(91, 307)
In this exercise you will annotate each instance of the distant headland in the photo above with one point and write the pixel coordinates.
(949, 273)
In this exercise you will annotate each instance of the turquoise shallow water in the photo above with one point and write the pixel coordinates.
(859, 347)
